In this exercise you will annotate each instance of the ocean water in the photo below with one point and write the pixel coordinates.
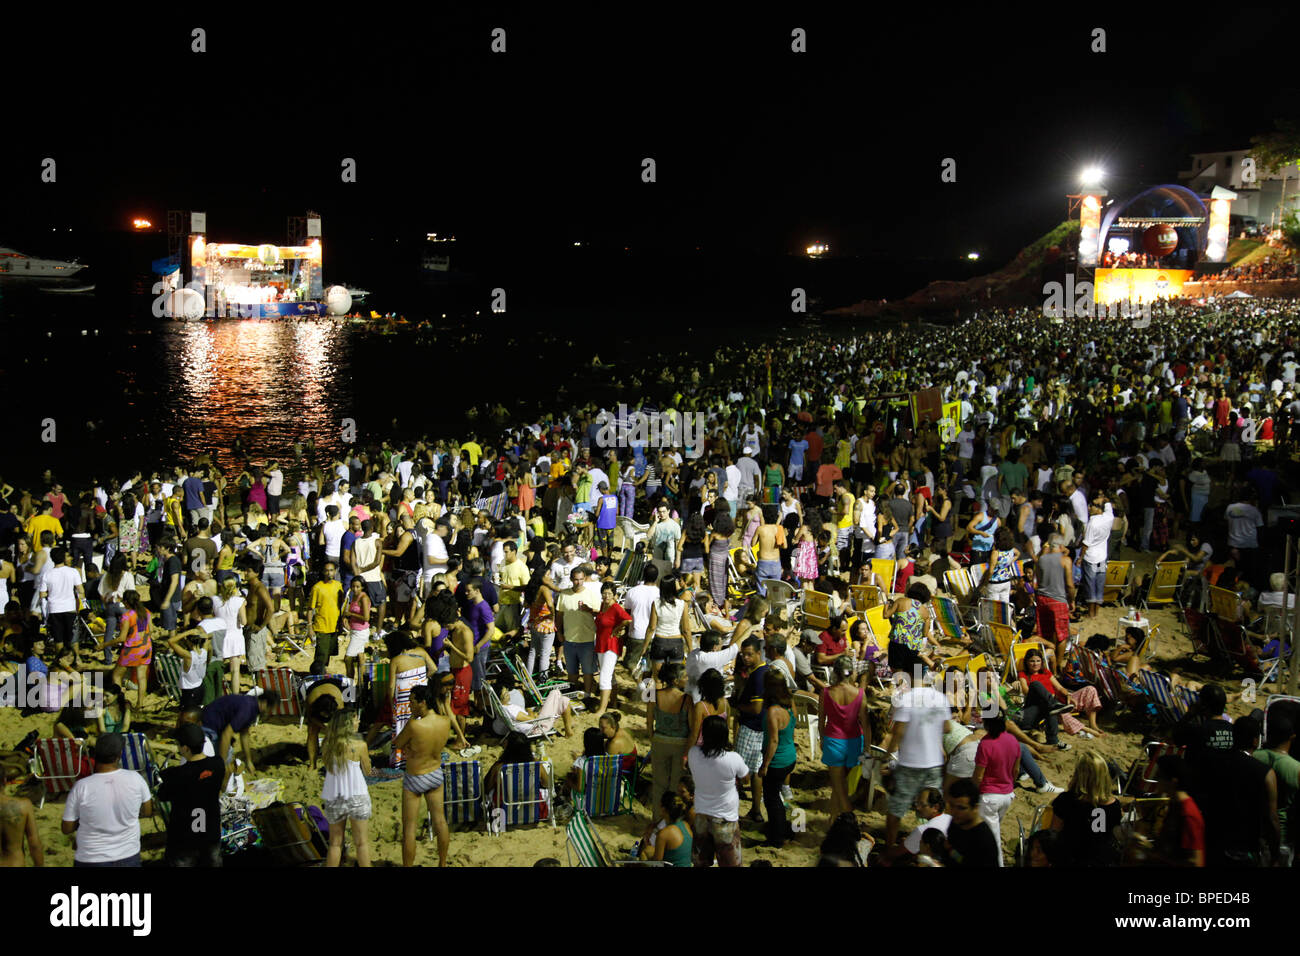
(97, 386)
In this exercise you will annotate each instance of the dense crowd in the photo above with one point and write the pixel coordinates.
(1026, 450)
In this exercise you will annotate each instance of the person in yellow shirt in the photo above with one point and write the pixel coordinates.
(514, 578)
(324, 621)
(475, 451)
(43, 520)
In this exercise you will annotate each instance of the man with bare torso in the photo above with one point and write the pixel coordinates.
(422, 741)
(18, 823)
(771, 539)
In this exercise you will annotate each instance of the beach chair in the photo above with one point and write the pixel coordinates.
(520, 797)
(1169, 707)
(374, 685)
(1226, 631)
(631, 565)
(1166, 584)
(137, 755)
(739, 586)
(864, 596)
(167, 670)
(947, 618)
(539, 692)
(1000, 638)
(880, 627)
(583, 843)
(887, 568)
(462, 797)
(606, 789)
(532, 729)
(58, 763)
(1141, 780)
(961, 586)
(807, 714)
(1016, 658)
(816, 606)
(631, 533)
(1119, 581)
(880, 758)
(290, 835)
(782, 594)
(1041, 820)
(284, 682)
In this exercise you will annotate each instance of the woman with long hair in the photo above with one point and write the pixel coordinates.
(229, 606)
(778, 754)
(668, 718)
(690, 556)
(716, 769)
(718, 546)
(345, 795)
(133, 633)
(1087, 814)
(846, 731)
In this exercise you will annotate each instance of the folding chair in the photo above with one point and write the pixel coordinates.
(807, 715)
(1141, 781)
(631, 565)
(137, 755)
(1041, 820)
(1227, 632)
(816, 607)
(782, 594)
(947, 618)
(1160, 693)
(1166, 584)
(284, 682)
(462, 797)
(58, 763)
(606, 789)
(631, 534)
(738, 586)
(1001, 637)
(532, 729)
(1119, 581)
(520, 796)
(880, 758)
(960, 584)
(887, 568)
(539, 692)
(1016, 659)
(581, 841)
(864, 596)
(290, 835)
(167, 669)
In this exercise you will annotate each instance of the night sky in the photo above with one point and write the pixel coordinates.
(758, 149)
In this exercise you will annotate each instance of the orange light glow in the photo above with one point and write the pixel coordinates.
(142, 223)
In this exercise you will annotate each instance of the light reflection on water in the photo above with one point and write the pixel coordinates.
(268, 383)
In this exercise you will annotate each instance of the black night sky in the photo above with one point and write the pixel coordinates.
(759, 150)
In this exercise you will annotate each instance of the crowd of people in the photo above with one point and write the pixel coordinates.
(1059, 445)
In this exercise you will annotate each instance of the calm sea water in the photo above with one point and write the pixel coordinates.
(118, 390)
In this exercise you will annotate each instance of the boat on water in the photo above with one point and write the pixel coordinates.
(21, 265)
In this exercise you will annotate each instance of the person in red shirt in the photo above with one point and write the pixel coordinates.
(834, 641)
(814, 440)
(827, 475)
(612, 621)
(1182, 838)
(58, 501)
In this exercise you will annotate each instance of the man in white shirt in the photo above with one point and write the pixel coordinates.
(1078, 501)
(731, 491)
(104, 810)
(274, 488)
(638, 601)
(921, 717)
(557, 578)
(930, 809)
(1094, 553)
(435, 554)
(706, 656)
(61, 595)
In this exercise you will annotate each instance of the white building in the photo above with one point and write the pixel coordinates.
(1260, 200)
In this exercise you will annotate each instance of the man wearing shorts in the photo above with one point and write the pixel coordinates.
(422, 741)
(370, 567)
(921, 717)
(749, 733)
(460, 655)
(575, 617)
(1055, 595)
(771, 539)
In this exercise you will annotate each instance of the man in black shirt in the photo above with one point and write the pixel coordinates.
(194, 791)
(970, 840)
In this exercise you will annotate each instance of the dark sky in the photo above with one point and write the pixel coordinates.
(757, 148)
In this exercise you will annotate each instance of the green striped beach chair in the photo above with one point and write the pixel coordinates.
(167, 671)
(539, 693)
(581, 841)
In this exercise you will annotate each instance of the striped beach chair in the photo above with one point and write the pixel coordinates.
(606, 789)
(539, 692)
(58, 763)
(1160, 693)
(947, 618)
(167, 670)
(532, 729)
(462, 798)
(583, 843)
(137, 755)
(961, 586)
(521, 797)
(284, 682)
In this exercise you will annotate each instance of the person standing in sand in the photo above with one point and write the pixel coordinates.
(422, 741)
(18, 823)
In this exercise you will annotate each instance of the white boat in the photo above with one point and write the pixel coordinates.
(14, 263)
(357, 294)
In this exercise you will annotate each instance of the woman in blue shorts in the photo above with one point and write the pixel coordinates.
(846, 731)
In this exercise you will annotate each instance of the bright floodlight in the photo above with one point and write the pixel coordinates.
(1091, 176)
(972, 255)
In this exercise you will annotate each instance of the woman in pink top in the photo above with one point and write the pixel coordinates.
(997, 765)
(846, 731)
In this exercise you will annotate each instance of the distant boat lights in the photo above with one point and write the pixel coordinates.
(818, 249)
(141, 224)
